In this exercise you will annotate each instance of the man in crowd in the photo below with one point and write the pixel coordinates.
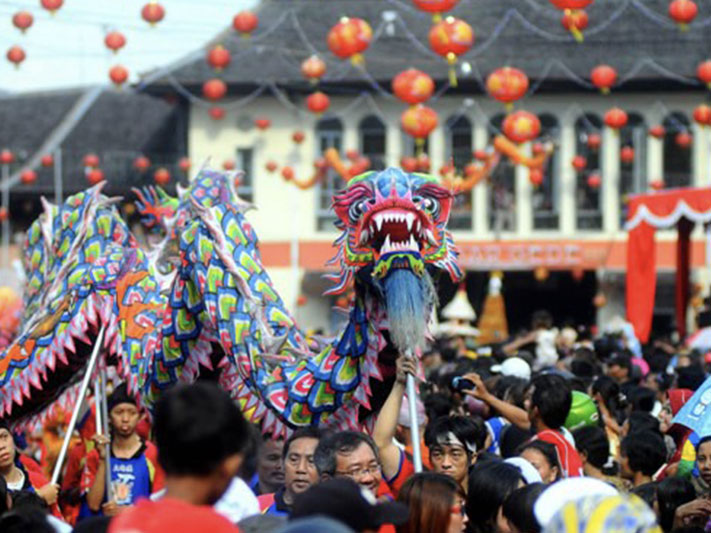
(299, 472)
(270, 469)
(643, 454)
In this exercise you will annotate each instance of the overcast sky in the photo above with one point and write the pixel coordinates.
(67, 49)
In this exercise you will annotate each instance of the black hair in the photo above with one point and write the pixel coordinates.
(489, 486)
(642, 399)
(642, 421)
(622, 360)
(93, 524)
(703, 440)
(340, 442)
(671, 493)
(546, 449)
(511, 390)
(690, 377)
(512, 437)
(249, 462)
(611, 395)
(27, 520)
(645, 451)
(647, 492)
(301, 433)
(541, 319)
(469, 430)
(518, 507)
(552, 396)
(436, 405)
(197, 427)
(28, 499)
(592, 441)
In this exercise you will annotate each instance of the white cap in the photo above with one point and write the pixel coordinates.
(513, 366)
(528, 471)
(568, 490)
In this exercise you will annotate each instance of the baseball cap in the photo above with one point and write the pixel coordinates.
(515, 367)
(348, 503)
(557, 495)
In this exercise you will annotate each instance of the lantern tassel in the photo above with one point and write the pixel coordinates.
(577, 34)
(357, 60)
(437, 18)
(419, 145)
(605, 90)
(509, 107)
(452, 60)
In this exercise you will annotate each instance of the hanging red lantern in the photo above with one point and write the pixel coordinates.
(683, 12)
(575, 22)
(507, 85)
(481, 155)
(51, 5)
(657, 131)
(627, 155)
(28, 176)
(271, 166)
(153, 12)
(217, 112)
(603, 77)
(436, 7)
(703, 72)
(683, 139)
(47, 160)
(184, 164)
(214, 89)
(94, 176)
(446, 170)
(262, 123)
(228, 164)
(22, 20)
(451, 38)
(287, 173)
(245, 22)
(571, 4)
(16, 55)
(4, 214)
(657, 185)
(423, 163)
(594, 181)
(594, 141)
(538, 149)
(413, 86)
(313, 68)
(118, 74)
(218, 57)
(349, 39)
(114, 41)
(615, 118)
(91, 160)
(141, 163)
(579, 163)
(419, 121)
(535, 176)
(409, 164)
(521, 126)
(6, 157)
(298, 137)
(702, 115)
(318, 102)
(162, 176)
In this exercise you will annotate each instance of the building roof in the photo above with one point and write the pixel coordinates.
(634, 36)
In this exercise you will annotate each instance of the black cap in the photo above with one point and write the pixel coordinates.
(119, 395)
(350, 504)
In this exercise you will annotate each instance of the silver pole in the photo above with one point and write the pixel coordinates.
(414, 424)
(105, 416)
(58, 176)
(80, 398)
(6, 222)
(97, 405)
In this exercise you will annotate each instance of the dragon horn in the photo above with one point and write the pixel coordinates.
(47, 205)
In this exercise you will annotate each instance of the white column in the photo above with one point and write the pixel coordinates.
(655, 159)
(393, 144)
(350, 135)
(479, 203)
(610, 163)
(567, 176)
(700, 155)
(524, 200)
(437, 149)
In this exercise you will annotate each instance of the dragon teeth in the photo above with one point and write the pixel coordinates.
(379, 221)
(409, 218)
(430, 237)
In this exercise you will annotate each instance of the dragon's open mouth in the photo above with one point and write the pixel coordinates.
(396, 230)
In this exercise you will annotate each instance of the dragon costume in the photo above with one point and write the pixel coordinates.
(202, 303)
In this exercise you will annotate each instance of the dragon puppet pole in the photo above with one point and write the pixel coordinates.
(414, 423)
(6, 220)
(78, 404)
(105, 419)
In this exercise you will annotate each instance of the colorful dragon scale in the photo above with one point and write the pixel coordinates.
(202, 302)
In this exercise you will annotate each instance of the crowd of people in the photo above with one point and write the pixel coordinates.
(514, 438)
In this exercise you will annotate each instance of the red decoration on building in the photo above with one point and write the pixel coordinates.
(683, 139)
(318, 102)
(481, 155)
(657, 185)
(702, 115)
(413, 86)
(118, 74)
(579, 163)
(451, 38)
(313, 68)
(51, 5)
(214, 89)
(594, 181)
(535, 176)
(91, 160)
(349, 39)
(419, 121)
(47, 160)
(153, 12)
(16, 55)
(703, 72)
(262, 123)
(298, 137)
(162, 176)
(6, 157)
(683, 12)
(507, 84)
(627, 155)
(436, 7)
(521, 126)
(245, 22)
(217, 112)
(28, 176)
(575, 22)
(594, 141)
(184, 164)
(301, 300)
(603, 77)
(94, 176)
(615, 118)
(538, 149)
(271, 166)
(409, 164)
(4, 214)
(141, 163)
(657, 131)
(423, 163)
(218, 57)
(114, 41)
(287, 173)
(22, 20)
(228, 164)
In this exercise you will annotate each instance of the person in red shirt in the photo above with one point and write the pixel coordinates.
(201, 437)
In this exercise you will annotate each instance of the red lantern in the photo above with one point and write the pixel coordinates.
(413, 86)
(298, 137)
(702, 115)
(28, 176)
(245, 22)
(507, 85)
(535, 176)
(436, 7)
(423, 163)
(656, 185)
(627, 155)
(51, 5)
(571, 4)
(703, 72)
(262, 123)
(114, 41)
(481, 155)
(594, 141)
(118, 74)
(575, 22)
(219, 57)
(318, 102)
(603, 77)
(217, 113)
(451, 38)
(91, 160)
(615, 118)
(409, 164)
(657, 131)
(444, 170)
(228, 164)
(538, 149)
(214, 89)
(47, 160)
(184, 164)
(287, 173)
(419, 121)
(161, 176)
(141, 163)
(594, 181)
(16, 55)
(684, 139)
(313, 68)
(94, 176)
(4, 214)
(352, 154)
(301, 300)
(579, 163)
(349, 39)
(22, 20)
(153, 12)
(521, 126)
(7, 157)
(683, 12)
(271, 166)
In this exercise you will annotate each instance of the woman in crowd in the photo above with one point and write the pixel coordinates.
(542, 455)
(436, 503)
(489, 486)
(517, 511)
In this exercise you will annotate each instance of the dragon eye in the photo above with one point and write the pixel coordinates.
(357, 209)
(430, 205)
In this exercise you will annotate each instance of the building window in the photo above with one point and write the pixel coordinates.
(329, 134)
(245, 162)
(546, 197)
(502, 192)
(372, 141)
(677, 158)
(589, 212)
(633, 171)
(459, 154)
